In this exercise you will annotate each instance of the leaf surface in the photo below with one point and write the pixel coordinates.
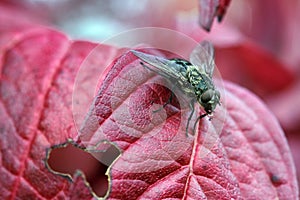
(38, 68)
(248, 159)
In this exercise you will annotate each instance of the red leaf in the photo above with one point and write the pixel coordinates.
(251, 66)
(249, 159)
(209, 9)
(38, 67)
(35, 84)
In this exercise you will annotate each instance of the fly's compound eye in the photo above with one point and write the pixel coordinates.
(207, 96)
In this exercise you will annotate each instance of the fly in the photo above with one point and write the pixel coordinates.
(194, 78)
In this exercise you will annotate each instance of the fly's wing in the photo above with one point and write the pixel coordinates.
(162, 66)
(166, 68)
(203, 57)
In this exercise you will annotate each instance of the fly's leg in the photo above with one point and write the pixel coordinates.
(190, 117)
(192, 103)
(171, 96)
(197, 120)
(165, 104)
(169, 100)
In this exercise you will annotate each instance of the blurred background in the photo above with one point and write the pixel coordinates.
(257, 43)
(272, 24)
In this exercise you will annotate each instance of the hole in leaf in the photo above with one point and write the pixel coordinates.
(67, 159)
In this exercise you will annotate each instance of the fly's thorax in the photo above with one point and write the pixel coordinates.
(207, 96)
(199, 81)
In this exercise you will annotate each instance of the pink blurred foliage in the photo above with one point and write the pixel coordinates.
(274, 25)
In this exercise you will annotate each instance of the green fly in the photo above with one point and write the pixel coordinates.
(194, 78)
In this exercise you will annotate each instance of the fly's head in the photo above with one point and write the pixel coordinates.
(209, 100)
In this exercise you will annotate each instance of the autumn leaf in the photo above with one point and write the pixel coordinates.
(38, 68)
(248, 159)
(36, 88)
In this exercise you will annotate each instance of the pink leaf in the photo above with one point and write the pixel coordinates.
(36, 86)
(209, 9)
(249, 159)
(38, 67)
(251, 66)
